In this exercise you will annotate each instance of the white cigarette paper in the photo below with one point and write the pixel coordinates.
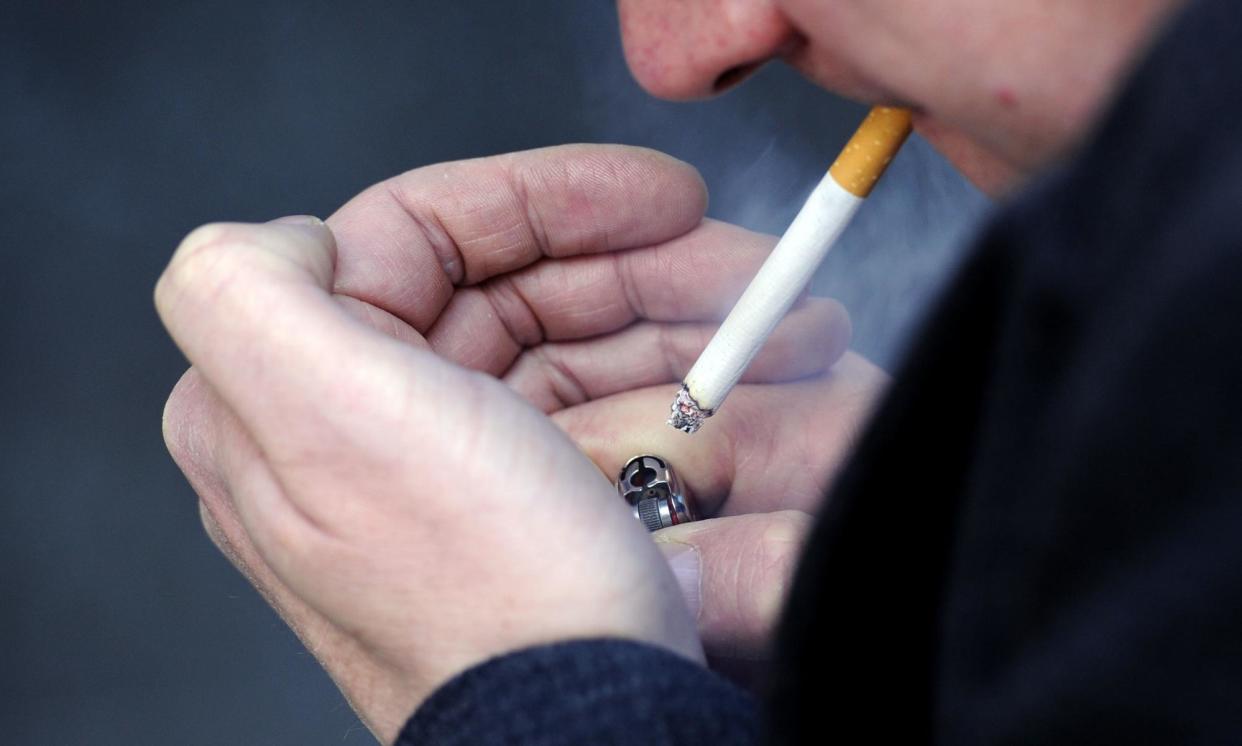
(789, 268)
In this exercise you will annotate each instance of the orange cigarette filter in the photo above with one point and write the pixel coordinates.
(871, 149)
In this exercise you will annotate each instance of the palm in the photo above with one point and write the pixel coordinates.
(774, 447)
(590, 297)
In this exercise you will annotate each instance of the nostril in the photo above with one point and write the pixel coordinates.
(734, 75)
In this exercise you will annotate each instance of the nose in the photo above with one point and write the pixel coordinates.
(696, 48)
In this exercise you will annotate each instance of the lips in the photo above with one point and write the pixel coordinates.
(834, 75)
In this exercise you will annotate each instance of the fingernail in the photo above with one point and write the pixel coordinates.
(309, 225)
(298, 220)
(683, 560)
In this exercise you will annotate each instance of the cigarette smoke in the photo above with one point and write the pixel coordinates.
(763, 147)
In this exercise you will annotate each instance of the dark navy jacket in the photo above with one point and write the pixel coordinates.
(1039, 539)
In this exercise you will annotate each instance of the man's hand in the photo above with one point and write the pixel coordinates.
(359, 456)
(761, 466)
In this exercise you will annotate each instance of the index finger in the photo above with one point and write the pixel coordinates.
(406, 242)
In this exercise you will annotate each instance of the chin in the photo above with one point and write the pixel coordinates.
(993, 175)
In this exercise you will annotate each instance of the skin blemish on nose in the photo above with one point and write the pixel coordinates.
(1007, 98)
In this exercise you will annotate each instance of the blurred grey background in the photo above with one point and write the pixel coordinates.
(124, 124)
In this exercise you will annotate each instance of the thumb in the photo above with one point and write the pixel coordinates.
(734, 573)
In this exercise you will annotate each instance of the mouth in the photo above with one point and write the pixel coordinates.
(921, 120)
(838, 78)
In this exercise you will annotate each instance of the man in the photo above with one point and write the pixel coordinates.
(1035, 539)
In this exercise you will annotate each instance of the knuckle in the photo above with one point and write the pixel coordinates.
(833, 310)
(839, 329)
(824, 321)
(208, 235)
(290, 542)
(213, 530)
(232, 547)
(204, 247)
(777, 549)
(180, 424)
(780, 541)
(203, 262)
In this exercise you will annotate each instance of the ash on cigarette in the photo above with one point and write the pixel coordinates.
(686, 415)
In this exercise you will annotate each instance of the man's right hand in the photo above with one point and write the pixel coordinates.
(760, 467)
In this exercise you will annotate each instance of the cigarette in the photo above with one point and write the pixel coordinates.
(790, 267)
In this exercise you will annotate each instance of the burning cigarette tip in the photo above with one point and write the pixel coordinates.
(686, 414)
